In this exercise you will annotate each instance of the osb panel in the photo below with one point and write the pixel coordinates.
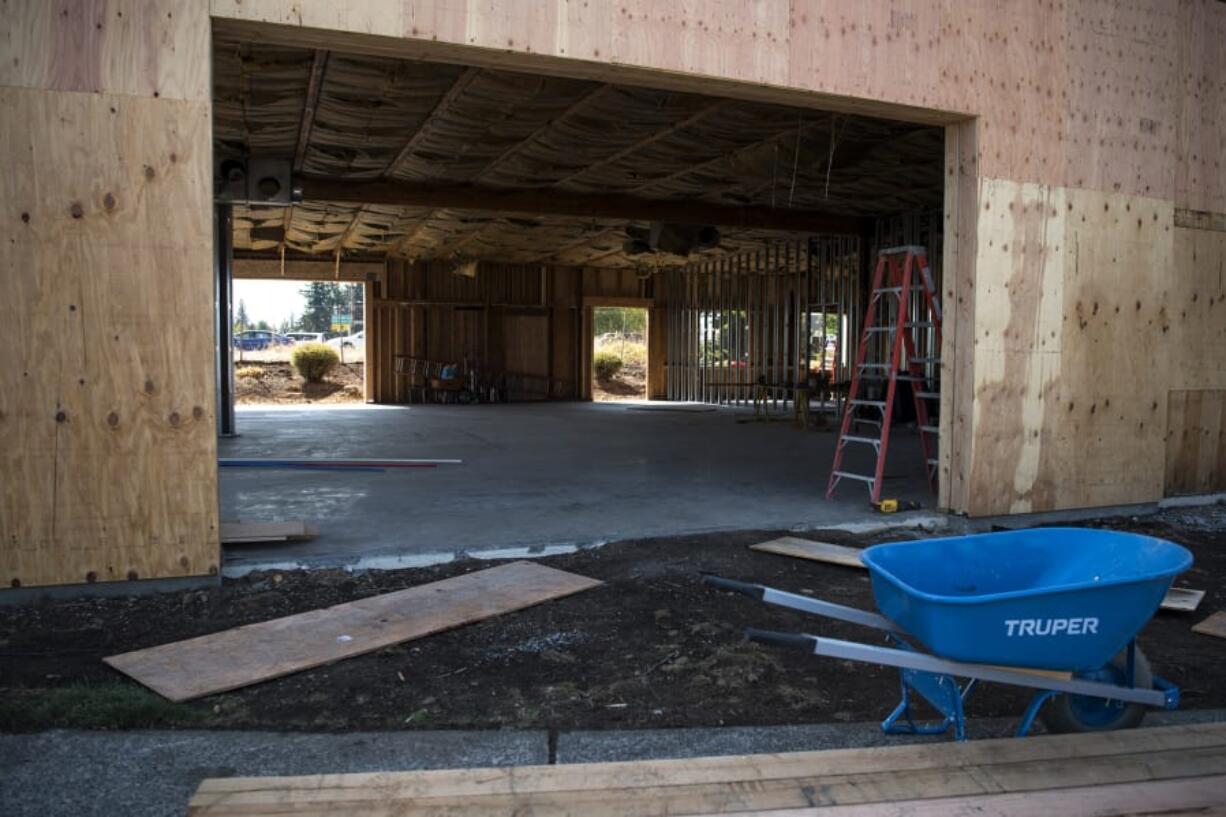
(138, 47)
(1073, 319)
(104, 248)
(1196, 442)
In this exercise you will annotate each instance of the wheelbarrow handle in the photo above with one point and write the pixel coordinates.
(754, 591)
(775, 638)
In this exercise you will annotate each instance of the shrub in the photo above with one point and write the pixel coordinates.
(253, 372)
(606, 365)
(313, 360)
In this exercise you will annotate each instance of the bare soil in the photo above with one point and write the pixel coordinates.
(628, 384)
(279, 383)
(652, 647)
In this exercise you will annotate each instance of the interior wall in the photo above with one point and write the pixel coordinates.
(521, 320)
(108, 464)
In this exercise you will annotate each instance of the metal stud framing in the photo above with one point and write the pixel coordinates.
(764, 316)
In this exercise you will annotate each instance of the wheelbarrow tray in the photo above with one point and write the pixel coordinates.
(1046, 598)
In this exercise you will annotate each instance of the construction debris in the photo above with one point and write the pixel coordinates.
(1215, 625)
(814, 551)
(244, 533)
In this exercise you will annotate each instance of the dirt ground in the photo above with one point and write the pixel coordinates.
(652, 647)
(279, 383)
(628, 384)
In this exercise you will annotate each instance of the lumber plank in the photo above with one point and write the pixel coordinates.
(1198, 795)
(245, 655)
(248, 532)
(814, 551)
(743, 772)
(1215, 625)
(735, 796)
(1182, 599)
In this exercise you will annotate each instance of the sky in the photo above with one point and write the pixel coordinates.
(271, 301)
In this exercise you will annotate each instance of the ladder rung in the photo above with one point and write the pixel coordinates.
(921, 324)
(875, 329)
(877, 403)
(910, 378)
(928, 395)
(888, 289)
(931, 429)
(849, 475)
(932, 462)
(873, 365)
(925, 360)
(851, 438)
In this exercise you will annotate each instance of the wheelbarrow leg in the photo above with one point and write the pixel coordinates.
(1032, 711)
(945, 695)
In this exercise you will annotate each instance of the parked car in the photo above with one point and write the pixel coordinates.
(355, 341)
(306, 337)
(253, 339)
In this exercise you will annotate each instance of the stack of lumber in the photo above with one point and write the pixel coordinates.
(1169, 770)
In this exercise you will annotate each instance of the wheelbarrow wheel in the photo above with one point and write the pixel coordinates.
(1083, 713)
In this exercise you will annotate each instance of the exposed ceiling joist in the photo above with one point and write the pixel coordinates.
(445, 102)
(577, 106)
(316, 80)
(689, 121)
(726, 158)
(553, 202)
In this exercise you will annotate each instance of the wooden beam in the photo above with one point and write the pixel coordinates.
(727, 157)
(578, 105)
(553, 202)
(314, 83)
(445, 102)
(689, 121)
(587, 238)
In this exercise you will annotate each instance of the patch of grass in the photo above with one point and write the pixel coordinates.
(102, 705)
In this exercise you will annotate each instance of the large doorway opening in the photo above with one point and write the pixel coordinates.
(619, 353)
(298, 342)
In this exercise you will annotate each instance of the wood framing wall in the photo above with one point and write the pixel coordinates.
(108, 461)
(1068, 121)
(524, 320)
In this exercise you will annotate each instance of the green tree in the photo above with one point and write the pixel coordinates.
(323, 299)
(241, 321)
(619, 319)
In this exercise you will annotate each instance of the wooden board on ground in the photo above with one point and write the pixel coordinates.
(1182, 599)
(1214, 625)
(1127, 768)
(814, 551)
(270, 649)
(237, 533)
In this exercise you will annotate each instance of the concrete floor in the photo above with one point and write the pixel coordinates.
(535, 475)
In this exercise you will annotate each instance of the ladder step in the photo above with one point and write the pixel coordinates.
(851, 438)
(873, 365)
(849, 475)
(928, 395)
(925, 360)
(921, 324)
(875, 329)
(877, 403)
(931, 429)
(932, 461)
(888, 289)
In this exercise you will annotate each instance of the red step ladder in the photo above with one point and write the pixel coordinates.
(903, 300)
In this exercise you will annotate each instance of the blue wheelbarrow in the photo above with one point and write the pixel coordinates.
(1052, 609)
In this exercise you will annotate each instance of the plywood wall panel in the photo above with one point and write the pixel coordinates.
(134, 47)
(1200, 169)
(108, 261)
(1196, 442)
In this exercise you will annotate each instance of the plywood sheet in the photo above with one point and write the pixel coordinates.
(1182, 599)
(1214, 625)
(753, 784)
(258, 652)
(1196, 442)
(233, 533)
(813, 551)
